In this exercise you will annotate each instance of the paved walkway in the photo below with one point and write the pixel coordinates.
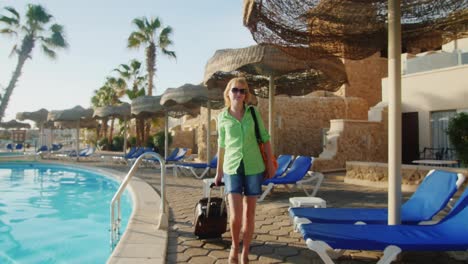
(274, 240)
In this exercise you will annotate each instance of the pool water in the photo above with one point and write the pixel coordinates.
(55, 214)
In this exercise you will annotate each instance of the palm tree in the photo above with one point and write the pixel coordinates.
(132, 74)
(155, 36)
(33, 30)
(109, 94)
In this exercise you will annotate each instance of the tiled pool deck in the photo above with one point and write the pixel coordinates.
(274, 240)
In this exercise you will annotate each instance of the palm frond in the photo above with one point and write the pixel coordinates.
(139, 22)
(13, 12)
(169, 53)
(9, 21)
(14, 50)
(57, 38)
(155, 23)
(8, 31)
(136, 39)
(37, 14)
(49, 52)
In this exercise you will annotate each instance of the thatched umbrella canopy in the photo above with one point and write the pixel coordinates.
(73, 116)
(147, 107)
(259, 62)
(39, 117)
(188, 98)
(14, 124)
(352, 29)
(119, 111)
(272, 62)
(122, 111)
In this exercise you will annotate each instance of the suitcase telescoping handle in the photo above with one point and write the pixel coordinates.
(209, 199)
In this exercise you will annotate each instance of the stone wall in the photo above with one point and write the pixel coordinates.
(376, 174)
(183, 139)
(301, 121)
(358, 140)
(365, 78)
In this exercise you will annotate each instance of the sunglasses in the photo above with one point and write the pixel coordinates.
(238, 90)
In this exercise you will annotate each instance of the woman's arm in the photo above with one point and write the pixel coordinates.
(219, 167)
(269, 154)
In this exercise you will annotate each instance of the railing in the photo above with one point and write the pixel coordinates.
(115, 222)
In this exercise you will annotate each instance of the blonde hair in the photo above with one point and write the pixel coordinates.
(231, 84)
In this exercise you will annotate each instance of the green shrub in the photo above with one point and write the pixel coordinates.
(150, 142)
(132, 141)
(158, 140)
(458, 135)
(117, 143)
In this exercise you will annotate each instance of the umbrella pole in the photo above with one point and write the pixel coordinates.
(125, 137)
(166, 129)
(42, 136)
(394, 112)
(77, 139)
(208, 131)
(271, 115)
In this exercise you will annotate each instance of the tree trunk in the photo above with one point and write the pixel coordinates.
(111, 133)
(150, 66)
(26, 48)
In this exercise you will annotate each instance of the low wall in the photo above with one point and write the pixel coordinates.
(376, 174)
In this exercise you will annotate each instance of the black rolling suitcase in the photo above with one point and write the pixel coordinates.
(210, 221)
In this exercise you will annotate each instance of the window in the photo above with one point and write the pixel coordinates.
(439, 125)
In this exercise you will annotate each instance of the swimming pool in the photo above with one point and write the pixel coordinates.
(55, 214)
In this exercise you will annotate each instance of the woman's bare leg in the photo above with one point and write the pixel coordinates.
(248, 225)
(235, 223)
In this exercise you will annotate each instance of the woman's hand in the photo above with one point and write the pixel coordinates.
(270, 169)
(218, 179)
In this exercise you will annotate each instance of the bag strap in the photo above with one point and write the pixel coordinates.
(257, 130)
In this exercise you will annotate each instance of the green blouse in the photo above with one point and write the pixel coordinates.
(239, 141)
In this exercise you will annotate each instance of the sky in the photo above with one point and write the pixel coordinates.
(97, 33)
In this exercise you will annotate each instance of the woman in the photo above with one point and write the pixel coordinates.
(240, 163)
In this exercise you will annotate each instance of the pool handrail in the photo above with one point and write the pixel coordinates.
(115, 223)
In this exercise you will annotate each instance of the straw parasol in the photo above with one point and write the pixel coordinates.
(190, 97)
(73, 116)
(147, 106)
(268, 60)
(39, 116)
(115, 111)
(14, 124)
(118, 111)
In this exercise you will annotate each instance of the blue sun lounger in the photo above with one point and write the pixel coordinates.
(295, 175)
(450, 234)
(430, 197)
(192, 167)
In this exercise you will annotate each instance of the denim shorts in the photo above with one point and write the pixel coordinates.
(248, 185)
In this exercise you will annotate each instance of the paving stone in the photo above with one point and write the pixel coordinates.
(287, 251)
(202, 260)
(193, 243)
(262, 250)
(219, 254)
(209, 245)
(269, 259)
(196, 252)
